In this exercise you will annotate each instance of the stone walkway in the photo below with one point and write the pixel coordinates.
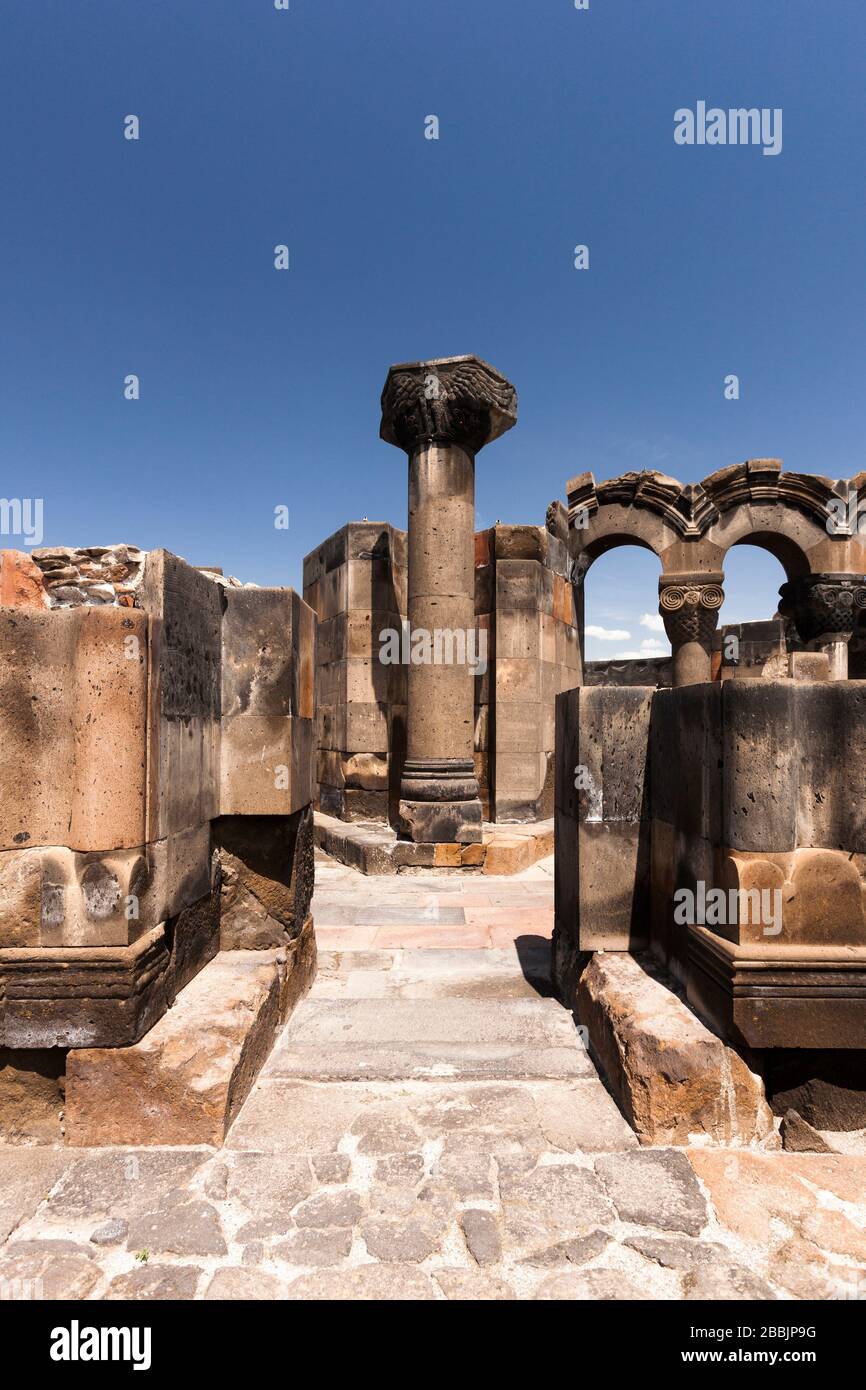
(428, 1127)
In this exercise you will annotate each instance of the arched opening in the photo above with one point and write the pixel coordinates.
(623, 637)
(751, 637)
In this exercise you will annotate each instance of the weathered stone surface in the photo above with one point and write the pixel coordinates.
(21, 583)
(471, 1286)
(727, 1282)
(798, 1136)
(74, 714)
(149, 1282)
(178, 1227)
(654, 1188)
(330, 1209)
(481, 1230)
(49, 1273)
(582, 1118)
(591, 1284)
(122, 1183)
(331, 1168)
(113, 1232)
(187, 1079)
(320, 1117)
(550, 1203)
(400, 1169)
(27, 1176)
(679, 1252)
(673, 1078)
(403, 1241)
(577, 1251)
(314, 1245)
(752, 1192)
(366, 1283)
(252, 1284)
(31, 1094)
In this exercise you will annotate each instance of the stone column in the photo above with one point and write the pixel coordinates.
(442, 412)
(689, 605)
(825, 609)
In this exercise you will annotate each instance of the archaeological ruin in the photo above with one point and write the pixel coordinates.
(177, 746)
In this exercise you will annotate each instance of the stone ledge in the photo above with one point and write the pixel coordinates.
(675, 1081)
(374, 848)
(763, 994)
(186, 1080)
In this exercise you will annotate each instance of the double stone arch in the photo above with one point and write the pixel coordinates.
(809, 523)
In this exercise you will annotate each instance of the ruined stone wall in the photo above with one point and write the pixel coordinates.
(152, 719)
(536, 655)
(525, 628)
(356, 583)
(736, 785)
(651, 670)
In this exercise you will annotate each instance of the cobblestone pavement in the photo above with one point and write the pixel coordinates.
(430, 1127)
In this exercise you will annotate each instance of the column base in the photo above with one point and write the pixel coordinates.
(442, 822)
(439, 801)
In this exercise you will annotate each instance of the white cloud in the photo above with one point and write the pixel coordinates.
(607, 634)
(648, 648)
(653, 621)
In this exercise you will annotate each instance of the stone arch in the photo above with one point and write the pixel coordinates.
(691, 527)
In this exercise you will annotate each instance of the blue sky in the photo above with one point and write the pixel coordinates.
(260, 388)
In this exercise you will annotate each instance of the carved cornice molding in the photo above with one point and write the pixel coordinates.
(692, 508)
(447, 400)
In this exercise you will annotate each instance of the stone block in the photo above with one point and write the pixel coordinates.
(186, 1080)
(331, 593)
(184, 745)
(519, 728)
(366, 728)
(831, 762)
(808, 666)
(21, 584)
(760, 765)
(73, 717)
(518, 634)
(266, 878)
(267, 764)
(518, 585)
(518, 680)
(363, 805)
(258, 667)
(32, 1084)
(365, 771)
(520, 543)
(521, 779)
(333, 639)
(80, 997)
(614, 885)
(676, 1082)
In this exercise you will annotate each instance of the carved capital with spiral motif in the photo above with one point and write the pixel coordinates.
(690, 609)
(824, 607)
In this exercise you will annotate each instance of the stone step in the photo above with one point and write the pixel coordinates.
(421, 1061)
(392, 1039)
(434, 974)
(186, 1080)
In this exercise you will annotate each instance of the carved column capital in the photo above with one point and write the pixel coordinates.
(460, 401)
(689, 606)
(824, 607)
